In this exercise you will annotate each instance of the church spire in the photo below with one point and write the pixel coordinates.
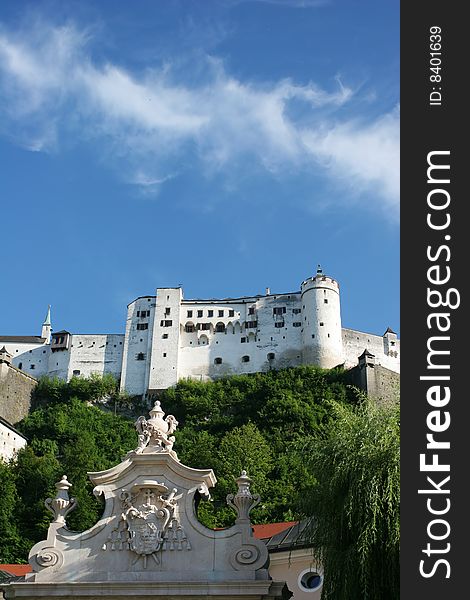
(46, 329)
(47, 320)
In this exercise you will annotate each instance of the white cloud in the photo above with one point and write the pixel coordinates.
(366, 156)
(51, 88)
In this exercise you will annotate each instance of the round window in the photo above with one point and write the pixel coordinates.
(309, 581)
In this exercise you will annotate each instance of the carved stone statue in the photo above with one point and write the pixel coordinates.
(155, 433)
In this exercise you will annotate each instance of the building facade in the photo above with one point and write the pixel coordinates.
(168, 338)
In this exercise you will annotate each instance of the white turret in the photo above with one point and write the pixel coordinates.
(322, 342)
(46, 329)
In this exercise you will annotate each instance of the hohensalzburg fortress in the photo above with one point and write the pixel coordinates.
(168, 338)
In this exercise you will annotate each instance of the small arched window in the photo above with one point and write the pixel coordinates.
(217, 361)
(245, 358)
(271, 356)
(20, 365)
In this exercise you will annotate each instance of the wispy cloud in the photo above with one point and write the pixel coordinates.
(51, 88)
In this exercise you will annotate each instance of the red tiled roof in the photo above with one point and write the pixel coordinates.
(18, 570)
(263, 532)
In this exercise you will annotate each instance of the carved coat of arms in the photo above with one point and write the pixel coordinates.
(149, 522)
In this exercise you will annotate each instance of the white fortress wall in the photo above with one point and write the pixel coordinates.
(30, 357)
(165, 341)
(244, 335)
(138, 345)
(386, 348)
(95, 354)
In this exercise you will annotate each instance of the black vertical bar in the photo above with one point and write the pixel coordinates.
(434, 119)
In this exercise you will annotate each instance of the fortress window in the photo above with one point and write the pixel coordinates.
(251, 310)
(321, 323)
(32, 367)
(189, 313)
(142, 326)
(245, 358)
(295, 311)
(325, 300)
(20, 365)
(221, 313)
(164, 355)
(243, 340)
(165, 323)
(76, 372)
(392, 343)
(313, 336)
(279, 324)
(220, 327)
(138, 313)
(271, 356)
(189, 327)
(217, 361)
(140, 356)
(205, 326)
(210, 313)
(297, 324)
(231, 313)
(164, 336)
(199, 313)
(251, 324)
(167, 310)
(279, 310)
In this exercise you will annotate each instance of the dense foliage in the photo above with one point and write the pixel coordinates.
(253, 422)
(355, 528)
(310, 446)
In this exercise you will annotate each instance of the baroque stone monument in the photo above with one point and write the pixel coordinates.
(149, 542)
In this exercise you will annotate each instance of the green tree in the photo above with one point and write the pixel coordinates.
(11, 543)
(255, 422)
(354, 505)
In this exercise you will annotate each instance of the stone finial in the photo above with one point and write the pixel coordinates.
(155, 433)
(61, 505)
(243, 501)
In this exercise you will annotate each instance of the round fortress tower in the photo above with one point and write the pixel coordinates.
(322, 342)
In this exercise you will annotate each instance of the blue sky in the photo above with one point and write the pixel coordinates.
(225, 145)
